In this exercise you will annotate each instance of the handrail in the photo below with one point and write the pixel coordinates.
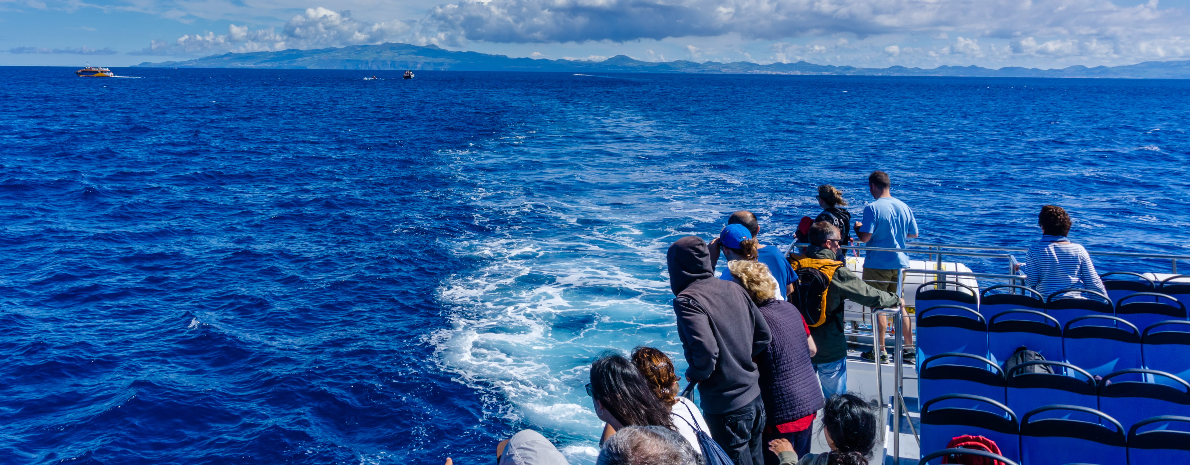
(1025, 249)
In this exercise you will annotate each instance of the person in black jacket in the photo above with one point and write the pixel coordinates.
(832, 202)
(722, 331)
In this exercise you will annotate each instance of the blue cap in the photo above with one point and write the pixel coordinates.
(733, 234)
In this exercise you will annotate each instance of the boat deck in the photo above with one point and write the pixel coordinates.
(861, 379)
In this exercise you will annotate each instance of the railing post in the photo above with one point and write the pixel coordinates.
(898, 371)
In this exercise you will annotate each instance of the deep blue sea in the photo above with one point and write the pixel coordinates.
(240, 266)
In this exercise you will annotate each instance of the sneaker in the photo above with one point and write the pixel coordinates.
(869, 356)
(909, 356)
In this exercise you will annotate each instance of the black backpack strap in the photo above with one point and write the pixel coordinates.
(695, 426)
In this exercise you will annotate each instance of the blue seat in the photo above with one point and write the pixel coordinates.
(954, 372)
(1130, 396)
(1030, 329)
(1063, 306)
(1146, 308)
(1068, 434)
(1122, 283)
(1003, 297)
(946, 293)
(1102, 345)
(945, 453)
(1166, 347)
(1069, 385)
(946, 417)
(951, 328)
(1178, 287)
(1167, 443)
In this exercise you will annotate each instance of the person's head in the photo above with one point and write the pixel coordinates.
(755, 278)
(688, 260)
(738, 243)
(622, 397)
(658, 370)
(878, 183)
(825, 235)
(828, 196)
(746, 218)
(648, 445)
(1054, 221)
(849, 422)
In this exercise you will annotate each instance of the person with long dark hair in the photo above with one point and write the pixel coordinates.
(849, 424)
(622, 397)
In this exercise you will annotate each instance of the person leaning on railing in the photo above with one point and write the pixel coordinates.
(887, 223)
(1054, 263)
(831, 360)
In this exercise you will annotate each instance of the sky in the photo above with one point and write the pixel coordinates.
(868, 33)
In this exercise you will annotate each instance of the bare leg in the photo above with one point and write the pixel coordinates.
(499, 450)
(881, 329)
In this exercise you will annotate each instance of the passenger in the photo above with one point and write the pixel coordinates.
(887, 223)
(648, 445)
(658, 370)
(831, 200)
(788, 383)
(722, 331)
(1054, 263)
(770, 256)
(849, 425)
(831, 358)
(527, 447)
(622, 397)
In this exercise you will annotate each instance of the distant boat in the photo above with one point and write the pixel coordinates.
(373, 78)
(93, 71)
(408, 74)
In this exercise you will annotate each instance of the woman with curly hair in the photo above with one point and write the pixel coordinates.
(1054, 263)
(788, 383)
(658, 369)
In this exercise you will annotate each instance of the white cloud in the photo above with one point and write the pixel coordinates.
(317, 28)
(693, 53)
(892, 50)
(589, 58)
(968, 47)
(84, 50)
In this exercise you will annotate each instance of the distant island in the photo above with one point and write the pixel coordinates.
(401, 57)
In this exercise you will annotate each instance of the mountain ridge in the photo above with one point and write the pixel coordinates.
(399, 57)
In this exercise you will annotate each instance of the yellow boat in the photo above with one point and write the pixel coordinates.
(92, 71)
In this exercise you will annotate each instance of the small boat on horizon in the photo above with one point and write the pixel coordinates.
(94, 71)
(408, 75)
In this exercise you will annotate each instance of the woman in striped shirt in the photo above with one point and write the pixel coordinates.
(1054, 263)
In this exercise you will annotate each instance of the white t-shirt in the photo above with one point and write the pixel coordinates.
(692, 416)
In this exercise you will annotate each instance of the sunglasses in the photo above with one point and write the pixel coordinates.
(590, 392)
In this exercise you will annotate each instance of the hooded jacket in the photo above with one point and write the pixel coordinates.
(721, 330)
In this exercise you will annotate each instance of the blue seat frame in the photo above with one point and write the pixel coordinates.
(1167, 351)
(1019, 298)
(1108, 345)
(1068, 385)
(1145, 308)
(1130, 396)
(1060, 441)
(1066, 309)
(1164, 445)
(977, 415)
(1032, 329)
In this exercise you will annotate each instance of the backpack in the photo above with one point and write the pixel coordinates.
(1024, 355)
(974, 443)
(712, 452)
(809, 294)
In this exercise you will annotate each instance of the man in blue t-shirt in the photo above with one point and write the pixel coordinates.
(887, 223)
(771, 255)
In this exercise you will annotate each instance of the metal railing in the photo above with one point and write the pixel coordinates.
(898, 400)
(1173, 259)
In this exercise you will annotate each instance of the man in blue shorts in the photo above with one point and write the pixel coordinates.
(887, 223)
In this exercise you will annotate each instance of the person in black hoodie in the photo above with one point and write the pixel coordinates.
(722, 331)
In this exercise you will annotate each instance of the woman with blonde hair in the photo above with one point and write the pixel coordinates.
(832, 202)
(788, 383)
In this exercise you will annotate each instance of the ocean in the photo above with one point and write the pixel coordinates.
(300, 266)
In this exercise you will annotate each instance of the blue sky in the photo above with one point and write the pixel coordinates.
(871, 33)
